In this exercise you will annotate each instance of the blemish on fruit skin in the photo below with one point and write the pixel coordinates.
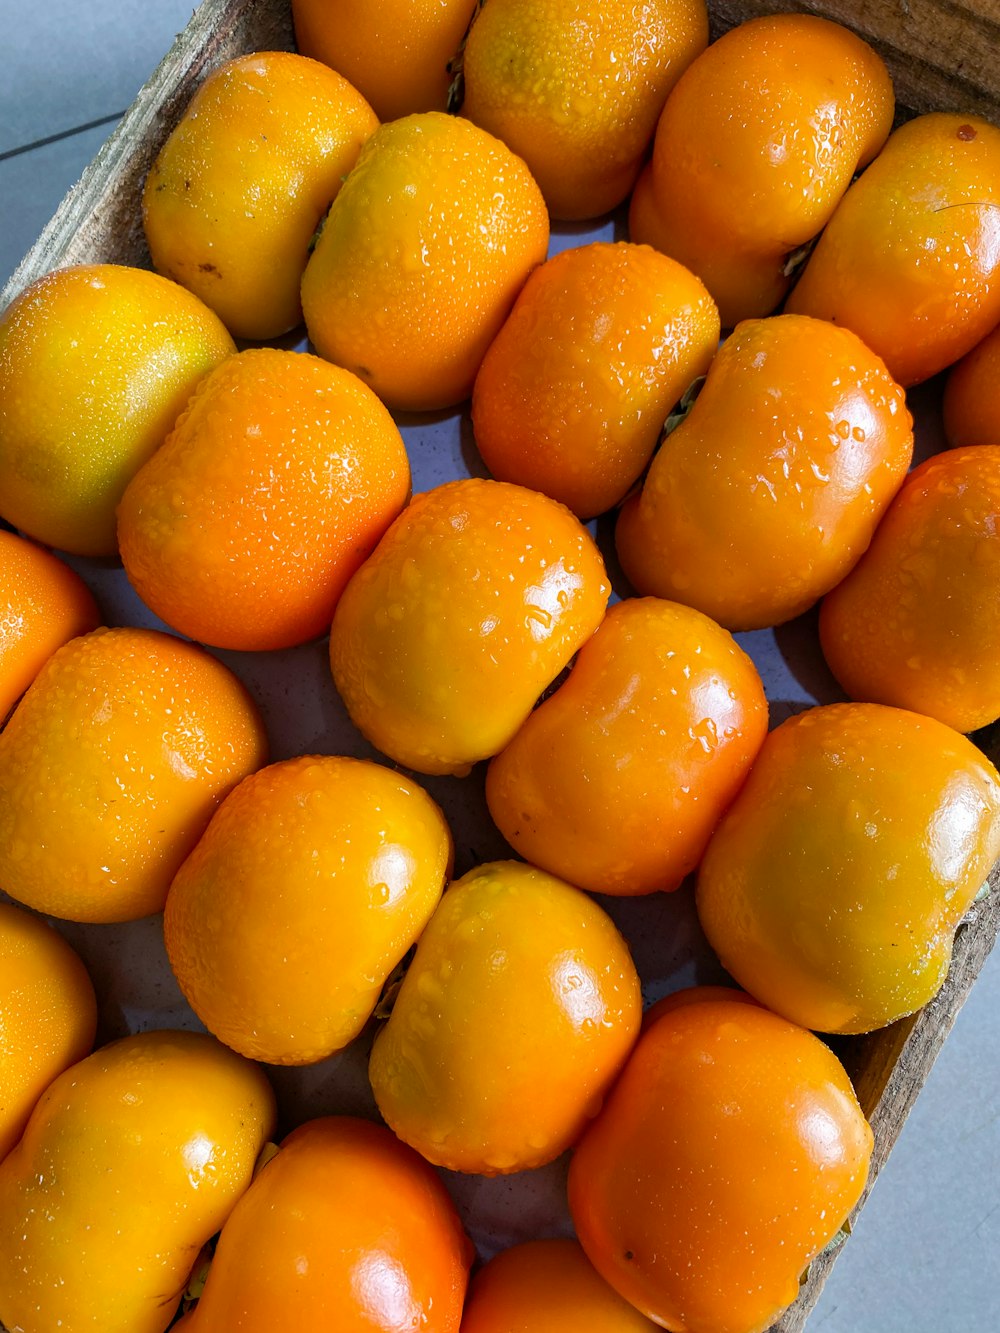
(965, 132)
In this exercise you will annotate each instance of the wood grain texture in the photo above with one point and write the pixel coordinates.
(941, 54)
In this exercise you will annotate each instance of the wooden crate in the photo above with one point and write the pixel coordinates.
(941, 56)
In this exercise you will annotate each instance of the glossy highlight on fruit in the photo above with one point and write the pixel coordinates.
(572, 396)
(768, 492)
(547, 1286)
(48, 1015)
(97, 362)
(307, 888)
(111, 767)
(237, 191)
(518, 1010)
(131, 1161)
(832, 888)
(576, 87)
(616, 781)
(344, 1229)
(729, 1153)
(473, 602)
(755, 147)
(917, 621)
(911, 259)
(420, 258)
(43, 603)
(274, 486)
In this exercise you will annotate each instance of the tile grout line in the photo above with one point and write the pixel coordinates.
(63, 134)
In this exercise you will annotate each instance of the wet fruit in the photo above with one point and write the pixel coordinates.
(96, 364)
(111, 767)
(518, 1010)
(421, 257)
(473, 602)
(271, 490)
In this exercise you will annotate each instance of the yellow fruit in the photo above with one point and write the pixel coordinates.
(311, 882)
(421, 257)
(48, 1014)
(472, 603)
(520, 1007)
(237, 191)
(576, 88)
(96, 364)
(132, 1159)
(111, 767)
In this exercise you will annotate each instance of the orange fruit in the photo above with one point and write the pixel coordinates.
(96, 364)
(576, 87)
(238, 189)
(420, 258)
(48, 1015)
(547, 1286)
(396, 52)
(755, 147)
(769, 490)
(42, 604)
(307, 888)
(617, 779)
(575, 389)
(910, 260)
(730, 1151)
(520, 1007)
(111, 767)
(916, 622)
(273, 487)
(473, 602)
(971, 400)
(345, 1230)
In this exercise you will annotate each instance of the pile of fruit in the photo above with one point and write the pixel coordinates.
(262, 498)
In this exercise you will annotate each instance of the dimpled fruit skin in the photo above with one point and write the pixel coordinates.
(473, 602)
(729, 1153)
(274, 486)
(345, 1230)
(236, 193)
(547, 1286)
(916, 623)
(421, 257)
(48, 1015)
(518, 1010)
(42, 604)
(96, 364)
(768, 492)
(616, 781)
(576, 88)
(573, 393)
(307, 888)
(396, 52)
(111, 767)
(911, 259)
(832, 888)
(741, 176)
(131, 1161)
